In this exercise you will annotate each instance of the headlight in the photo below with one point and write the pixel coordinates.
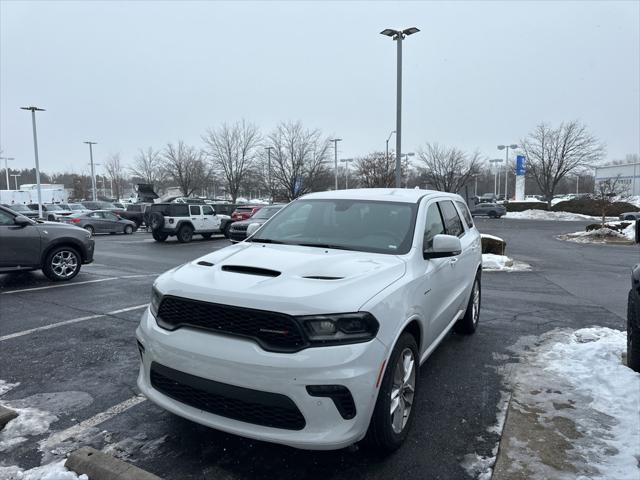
(156, 298)
(340, 327)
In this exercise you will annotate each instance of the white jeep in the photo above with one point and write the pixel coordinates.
(185, 220)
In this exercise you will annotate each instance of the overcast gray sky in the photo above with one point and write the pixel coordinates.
(138, 74)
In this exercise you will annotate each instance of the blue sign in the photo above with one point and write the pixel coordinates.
(520, 168)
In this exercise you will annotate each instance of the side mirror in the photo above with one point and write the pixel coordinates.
(214, 212)
(252, 228)
(444, 246)
(22, 221)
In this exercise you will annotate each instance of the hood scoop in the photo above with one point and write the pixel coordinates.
(263, 272)
(322, 277)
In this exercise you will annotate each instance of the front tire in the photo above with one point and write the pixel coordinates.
(469, 322)
(128, 230)
(185, 234)
(90, 229)
(393, 414)
(61, 264)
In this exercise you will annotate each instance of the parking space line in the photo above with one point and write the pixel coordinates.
(69, 322)
(97, 419)
(59, 285)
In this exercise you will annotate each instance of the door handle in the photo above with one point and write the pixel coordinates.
(453, 260)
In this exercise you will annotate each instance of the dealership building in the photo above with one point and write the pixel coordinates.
(628, 175)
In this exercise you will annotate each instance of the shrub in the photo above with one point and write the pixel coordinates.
(522, 206)
(589, 206)
(494, 245)
(618, 227)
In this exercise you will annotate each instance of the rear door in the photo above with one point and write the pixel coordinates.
(20, 244)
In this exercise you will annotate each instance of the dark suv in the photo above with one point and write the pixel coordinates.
(633, 314)
(56, 248)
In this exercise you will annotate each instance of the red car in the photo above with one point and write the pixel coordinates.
(244, 212)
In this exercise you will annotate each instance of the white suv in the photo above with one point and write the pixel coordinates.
(184, 220)
(310, 332)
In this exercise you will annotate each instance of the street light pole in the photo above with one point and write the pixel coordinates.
(15, 178)
(6, 169)
(93, 172)
(346, 172)
(406, 157)
(398, 36)
(387, 157)
(495, 174)
(335, 148)
(35, 151)
(269, 173)
(506, 165)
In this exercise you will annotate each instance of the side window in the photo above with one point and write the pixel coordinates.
(207, 210)
(452, 222)
(5, 218)
(465, 214)
(433, 226)
(194, 210)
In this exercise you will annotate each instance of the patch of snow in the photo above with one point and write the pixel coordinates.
(545, 215)
(601, 235)
(502, 263)
(52, 471)
(29, 422)
(492, 237)
(577, 379)
(6, 386)
(630, 231)
(136, 446)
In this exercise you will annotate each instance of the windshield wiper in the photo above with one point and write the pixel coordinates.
(266, 240)
(324, 245)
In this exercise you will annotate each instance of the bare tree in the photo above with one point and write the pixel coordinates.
(233, 150)
(607, 192)
(298, 158)
(376, 170)
(447, 169)
(147, 165)
(185, 166)
(115, 172)
(552, 153)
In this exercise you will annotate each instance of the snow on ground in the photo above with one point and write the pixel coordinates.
(6, 386)
(29, 422)
(545, 215)
(52, 471)
(492, 237)
(602, 235)
(576, 379)
(502, 263)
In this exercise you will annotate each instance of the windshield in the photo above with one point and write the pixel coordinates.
(362, 225)
(265, 213)
(53, 208)
(76, 206)
(19, 208)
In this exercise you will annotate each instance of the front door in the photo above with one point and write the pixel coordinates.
(210, 219)
(196, 217)
(20, 244)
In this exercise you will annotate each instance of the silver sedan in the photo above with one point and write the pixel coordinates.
(101, 221)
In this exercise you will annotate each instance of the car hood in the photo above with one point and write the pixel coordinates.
(285, 278)
(249, 221)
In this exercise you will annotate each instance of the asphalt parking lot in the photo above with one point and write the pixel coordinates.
(71, 349)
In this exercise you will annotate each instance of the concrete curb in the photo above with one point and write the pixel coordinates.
(100, 466)
(6, 415)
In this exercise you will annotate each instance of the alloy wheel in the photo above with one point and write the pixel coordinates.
(64, 263)
(402, 390)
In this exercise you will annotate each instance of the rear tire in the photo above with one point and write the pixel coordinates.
(61, 264)
(469, 322)
(90, 229)
(225, 230)
(185, 234)
(395, 390)
(156, 221)
(159, 236)
(128, 230)
(493, 215)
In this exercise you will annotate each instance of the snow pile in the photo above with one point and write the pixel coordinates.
(29, 422)
(579, 389)
(502, 263)
(602, 235)
(52, 471)
(545, 215)
(6, 386)
(630, 232)
(492, 237)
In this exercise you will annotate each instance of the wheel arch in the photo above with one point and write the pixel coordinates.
(65, 242)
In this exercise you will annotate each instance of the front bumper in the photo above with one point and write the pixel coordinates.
(88, 253)
(242, 363)
(237, 236)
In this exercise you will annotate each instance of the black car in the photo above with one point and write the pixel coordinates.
(633, 315)
(238, 230)
(491, 210)
(22, 210)
(58, 249)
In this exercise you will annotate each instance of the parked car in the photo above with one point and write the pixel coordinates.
(98, 205)
(101, 221)
(245, 211)
(75, 207)
(238, 230)
(22, 209)
(52, 212)
(135, 212)
(491, 210)
(488, 198)
(633, 321)
(633, 216)
(58, 249)
(311, 332)
(183, 220)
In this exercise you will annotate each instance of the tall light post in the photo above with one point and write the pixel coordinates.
(268, 149)
(513, 146)
(35, 150)
(406, 158)
(335, 148)
(389, 138)
(495, 174)
(15, 178)
(398, 36)
(6, 169)
(346, 162)
(93, 172)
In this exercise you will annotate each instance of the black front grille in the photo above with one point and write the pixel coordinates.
(239, 228)
(244, 404)
(273, 331)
